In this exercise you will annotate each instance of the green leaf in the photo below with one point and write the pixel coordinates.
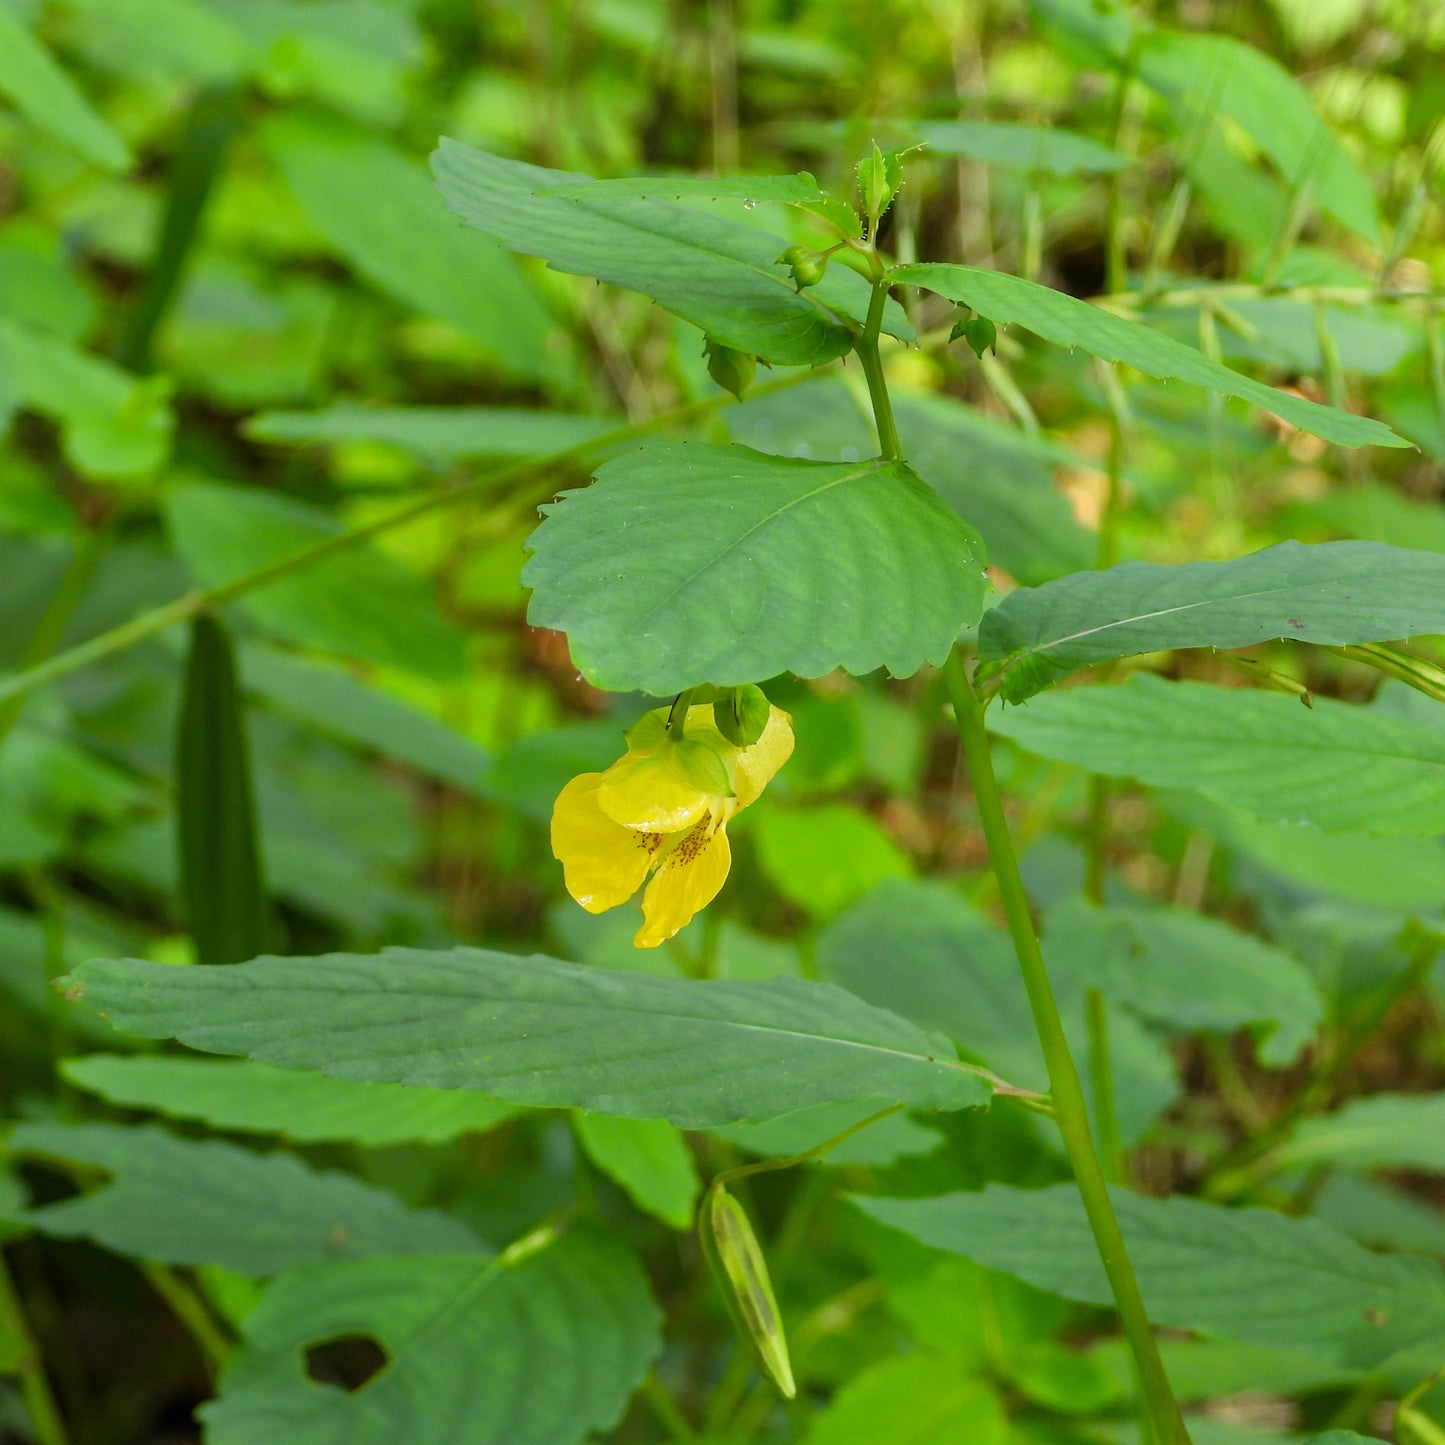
(1245, 1274)
(1382, 1131)
(962, 977)
(356, 602)
(916, 1399)
(1067, 321)
(1039, 148)
(46, 97)
(535, 1031)
(408, 247)
(1189, 971)
(187, 1202)
(438, 434)
(721, 275)
(894, 1137)
(360, 712)
(824, 858)
(222, 890)
(540, 1351)
(1336, 766)
(236, 1094)
(788, 189)
(1209, 75)
(114, 426)
(648, 1158)
(1332, 594)
(687, 564)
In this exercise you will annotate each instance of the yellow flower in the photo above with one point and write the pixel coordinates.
(663, 808)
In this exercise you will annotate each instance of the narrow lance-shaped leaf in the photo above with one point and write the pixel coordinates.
(535, 1031)
(1333, 594)
(222, 891)
(687, 564)
(1067, 321)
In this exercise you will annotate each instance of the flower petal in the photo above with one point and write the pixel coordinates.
(754, 767)
(603, 863)
(641, 791)
(689, 879)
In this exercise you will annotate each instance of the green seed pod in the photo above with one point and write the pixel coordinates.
(741, 714)
(980, 333)
(806, 266)
(732, 370)
(738, 1265)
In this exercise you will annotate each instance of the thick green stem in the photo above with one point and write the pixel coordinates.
(867, 349)
(1064, 1085)
(198, 161)
(1101, 1077)
(29, 1368)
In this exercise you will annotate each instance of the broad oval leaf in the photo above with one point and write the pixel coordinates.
(686, 564)
(1332, 594)
(1335, 766)
(1043, 148)
(1067, 321)
(309, 1108)
(721, 275)
(535, 1031)
(1381, 1131)
(194, 1202)
(543, 1351)
(1245, 1274)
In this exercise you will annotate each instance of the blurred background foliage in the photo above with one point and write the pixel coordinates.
(235, 319)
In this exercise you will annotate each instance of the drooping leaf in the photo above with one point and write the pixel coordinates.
(1209, 74)
(360, 712)
(236, 1094)
(1336, 766)
(356, 602)
(1380, 1131)
(1244, 1274)
(1043, 148)
(114, 426)
(436, 433)
(535, 1031)
(648, 1158)
(222, 888)
(722, 275)
(962, 977)
(685, 564)
(540, 1351)
(206, 1202)
(409, 247)
(48, 99)
(1067, 321)
(1189, 971)
(1331, 594)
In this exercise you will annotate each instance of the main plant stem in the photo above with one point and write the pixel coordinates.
(1064, 1086)
(867, 349)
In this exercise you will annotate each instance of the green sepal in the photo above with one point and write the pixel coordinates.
(980, 333)
(737, 1263)
(741, 714)
(732, 370)
(700, 764)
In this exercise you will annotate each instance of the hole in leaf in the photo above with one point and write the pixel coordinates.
(348, 1362)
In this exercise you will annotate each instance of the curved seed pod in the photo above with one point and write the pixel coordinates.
(737, 1262)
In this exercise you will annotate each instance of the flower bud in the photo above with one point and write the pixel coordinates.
(741, 714)
(980, 333)
(806, 266)
(732, 370)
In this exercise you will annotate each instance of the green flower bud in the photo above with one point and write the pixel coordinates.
(741, 714)
(806, 266)
(980, 333)
(732, 370)
(737, 1263)
(878, 181)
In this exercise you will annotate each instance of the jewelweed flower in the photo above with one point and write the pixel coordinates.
(663, 808)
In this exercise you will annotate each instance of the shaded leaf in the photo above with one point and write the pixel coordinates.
(236, 1094)
(824, 858)
(1382, 1131)
(687, 564)
(894, 1137)
(916, 1399)
(534, 1031)
(538, 1352)
(1245, 1274)
(1336, 766)
(1043, 148)
(796, 188)
(722, 275)
(188, 1202)
(1331, 594)
(1067, 321)
(648, 1158)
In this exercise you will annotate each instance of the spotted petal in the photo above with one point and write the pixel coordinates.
(688, 879)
